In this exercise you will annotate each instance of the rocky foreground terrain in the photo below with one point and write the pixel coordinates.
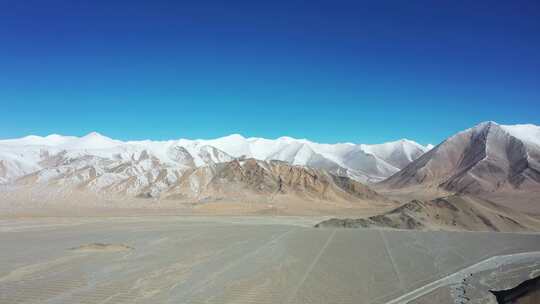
(456, 212)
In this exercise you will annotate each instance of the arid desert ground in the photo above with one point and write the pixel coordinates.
(264, 259)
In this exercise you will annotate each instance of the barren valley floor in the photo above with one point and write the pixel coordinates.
(223, 259)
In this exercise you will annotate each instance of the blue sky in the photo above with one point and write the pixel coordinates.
(330, 71)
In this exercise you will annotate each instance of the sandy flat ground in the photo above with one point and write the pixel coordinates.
(224, 259)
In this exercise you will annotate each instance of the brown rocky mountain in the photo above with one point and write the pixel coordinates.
(267, 180)
(489, 160)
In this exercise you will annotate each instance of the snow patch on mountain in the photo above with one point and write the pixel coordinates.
(527, 132)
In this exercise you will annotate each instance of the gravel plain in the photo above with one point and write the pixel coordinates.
(204, 259)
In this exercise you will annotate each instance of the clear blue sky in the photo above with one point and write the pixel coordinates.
(330, 71)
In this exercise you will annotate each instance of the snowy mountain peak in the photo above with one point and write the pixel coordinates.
(487, 123)
(234, 136)
(94, 134)
(55, 137)
(93, 140)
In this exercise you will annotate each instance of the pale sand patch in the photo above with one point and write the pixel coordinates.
(101, 247)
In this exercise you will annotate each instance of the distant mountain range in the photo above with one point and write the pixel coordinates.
(40, 155)
(486, 160)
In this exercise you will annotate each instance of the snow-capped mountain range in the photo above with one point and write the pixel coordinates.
(55, 154)
(488, 158)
